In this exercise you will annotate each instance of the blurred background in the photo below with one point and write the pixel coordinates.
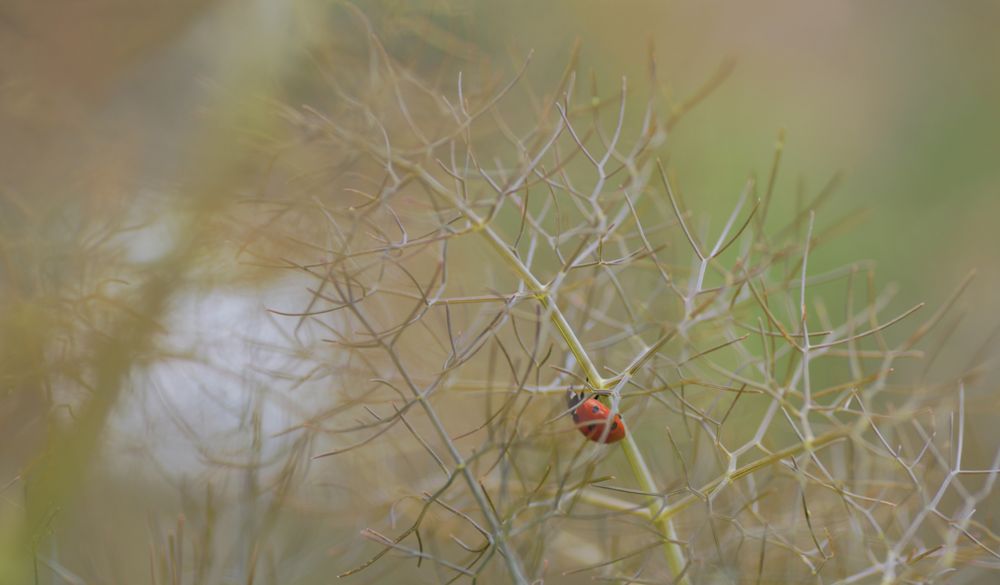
(135, 337)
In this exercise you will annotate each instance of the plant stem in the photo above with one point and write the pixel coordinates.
(671, 547)
(672, 550)
(752, 467)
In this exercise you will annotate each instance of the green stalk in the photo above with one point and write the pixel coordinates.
(752, 467)
(671, 547)
(672, 550)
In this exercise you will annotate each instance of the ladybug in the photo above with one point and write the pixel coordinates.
(591, 416)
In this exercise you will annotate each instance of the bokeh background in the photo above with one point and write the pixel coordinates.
(151, 116)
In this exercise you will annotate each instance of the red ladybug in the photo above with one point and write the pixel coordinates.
(591, 417)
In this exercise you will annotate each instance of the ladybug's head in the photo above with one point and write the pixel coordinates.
(573, 399)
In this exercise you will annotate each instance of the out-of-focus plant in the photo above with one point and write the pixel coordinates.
(90, 271)
(476, 249)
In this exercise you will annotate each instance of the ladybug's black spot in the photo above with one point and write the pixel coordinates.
(614, 425)
(596, 409)
(591, 427)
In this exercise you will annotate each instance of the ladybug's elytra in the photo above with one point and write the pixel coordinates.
(591, 416)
